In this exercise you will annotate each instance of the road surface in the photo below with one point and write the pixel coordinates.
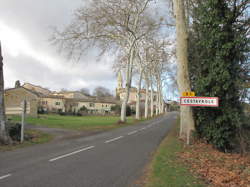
(110, 159)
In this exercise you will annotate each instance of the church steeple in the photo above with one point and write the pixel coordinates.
(119, 80)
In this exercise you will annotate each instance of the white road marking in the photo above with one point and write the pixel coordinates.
(69, 154)
(5, 176)
(143, 128)
(133, 132)
(114, 139)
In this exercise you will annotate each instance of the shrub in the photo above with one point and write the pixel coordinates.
(217, 47)
(14, 131)
(78, 114)
(83, 109)
(116, 109)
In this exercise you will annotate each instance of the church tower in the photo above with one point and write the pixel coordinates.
(119, 80)
(119, 85)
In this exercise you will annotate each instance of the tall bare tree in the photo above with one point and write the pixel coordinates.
(186, 115)
(109, 25)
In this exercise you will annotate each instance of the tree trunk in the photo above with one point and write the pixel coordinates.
(128, 83)
(152, 100)
(157, 104)
(138, 99)
(3, 134)
(158, 96)
(186, 116)
(146, 99)
(125, 101)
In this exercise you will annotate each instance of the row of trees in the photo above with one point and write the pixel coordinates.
(130, 30)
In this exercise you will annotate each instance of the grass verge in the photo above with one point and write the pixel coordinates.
(38, 137)
(166, 170)
(74, 122)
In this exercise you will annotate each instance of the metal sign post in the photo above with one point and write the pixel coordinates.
(24, 106)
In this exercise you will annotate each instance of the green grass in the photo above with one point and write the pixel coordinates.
(39, 138)
(74, 122)
(166, 170)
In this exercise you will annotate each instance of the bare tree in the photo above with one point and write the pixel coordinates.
(109, 25)
(187, 120)
(85, 91)
(101, 91)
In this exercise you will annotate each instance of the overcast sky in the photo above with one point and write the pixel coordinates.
(29, 57)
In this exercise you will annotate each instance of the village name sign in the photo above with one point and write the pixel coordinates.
(189, 99)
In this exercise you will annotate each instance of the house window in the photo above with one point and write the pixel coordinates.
(44, 102)
(58, 103)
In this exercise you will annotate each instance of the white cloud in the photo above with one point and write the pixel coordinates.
(29, 57)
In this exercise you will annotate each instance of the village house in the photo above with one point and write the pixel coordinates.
(71, 94)
(14, 98)
(51, 103)
(93, 105)
(37, 89)
(43, 100)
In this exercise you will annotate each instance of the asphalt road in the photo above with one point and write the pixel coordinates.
(111, 159)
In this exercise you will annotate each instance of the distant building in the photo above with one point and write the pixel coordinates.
(121, 93)
(14, 98)
(93, 105)
(40, 90)
(51, 103)
(71, 94)
(42, 99)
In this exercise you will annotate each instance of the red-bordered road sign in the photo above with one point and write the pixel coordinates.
(200, 101)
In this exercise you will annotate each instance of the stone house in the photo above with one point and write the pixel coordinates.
(37, 89)
(42, 99)
(51, 103)
(93, 105)
(71, 95)
(15, 96)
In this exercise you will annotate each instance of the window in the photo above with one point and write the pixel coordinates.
(58, 103)
(44, 102)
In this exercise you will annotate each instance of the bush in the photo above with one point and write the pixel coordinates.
(41, 110)
(116, 109)
(14, 131)
(129, 111)
(78, 114)
(217, 56)
(83, 109)
(63, 114)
